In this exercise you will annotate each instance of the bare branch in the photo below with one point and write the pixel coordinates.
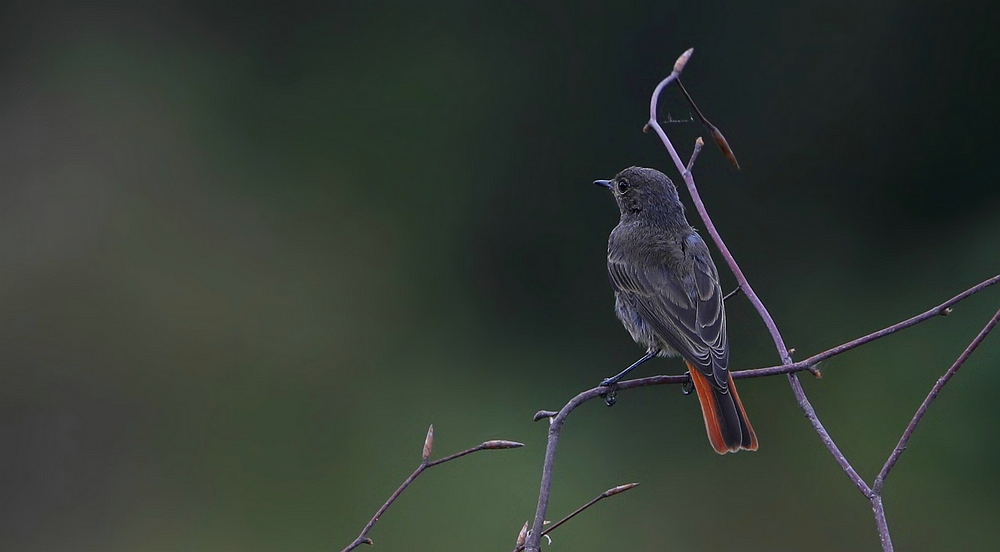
(941, 382)
(424, 464)
(940, 310)
(557, 419)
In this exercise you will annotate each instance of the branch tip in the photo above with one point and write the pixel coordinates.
(619, 489)
(500, 444)
(682, 60)
(367, 541)
(720, 141)
(698, 144)
(523, 534)
(428, 443)
(542, 414)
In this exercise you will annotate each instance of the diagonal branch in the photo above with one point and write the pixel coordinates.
(608, 493)
(425, 463)
(943, 309)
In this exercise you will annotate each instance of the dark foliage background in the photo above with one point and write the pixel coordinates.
(248, 252)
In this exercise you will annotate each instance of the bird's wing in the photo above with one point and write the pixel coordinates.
(685, 311)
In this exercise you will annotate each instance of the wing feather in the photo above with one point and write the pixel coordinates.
(682, 304)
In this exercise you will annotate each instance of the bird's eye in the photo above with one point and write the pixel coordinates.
(622, 186)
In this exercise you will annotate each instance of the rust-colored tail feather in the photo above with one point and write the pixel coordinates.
(726, 422)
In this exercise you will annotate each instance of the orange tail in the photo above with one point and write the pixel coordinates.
(726, 422)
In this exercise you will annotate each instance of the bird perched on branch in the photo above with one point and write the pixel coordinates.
(667, 295)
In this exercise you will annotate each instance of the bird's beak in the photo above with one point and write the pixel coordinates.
(604, 183)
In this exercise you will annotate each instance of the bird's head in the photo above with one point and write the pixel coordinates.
(647, 194)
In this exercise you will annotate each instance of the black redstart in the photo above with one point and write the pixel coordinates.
(667, 295)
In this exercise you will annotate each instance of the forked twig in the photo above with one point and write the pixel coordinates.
(425, 463)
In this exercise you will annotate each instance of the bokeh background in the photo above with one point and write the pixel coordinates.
(249, 252)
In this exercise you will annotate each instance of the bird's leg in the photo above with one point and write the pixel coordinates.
(617, 377)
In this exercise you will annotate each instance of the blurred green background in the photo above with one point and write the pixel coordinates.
(248, 252)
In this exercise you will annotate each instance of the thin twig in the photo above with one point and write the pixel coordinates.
(610, 492)
(731, 293)
(424, 464)
(940, 310)
(814, 360)
(941, 382)
(720, 140)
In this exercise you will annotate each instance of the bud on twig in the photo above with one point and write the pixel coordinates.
(720, 141)
(682, 61)
(522, 535)
(428, 443)
(619, 489)
(491, 445)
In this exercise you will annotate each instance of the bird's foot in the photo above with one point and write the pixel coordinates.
(611, 395)
(688, 386)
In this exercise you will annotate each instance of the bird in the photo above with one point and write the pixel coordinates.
(668, 297)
